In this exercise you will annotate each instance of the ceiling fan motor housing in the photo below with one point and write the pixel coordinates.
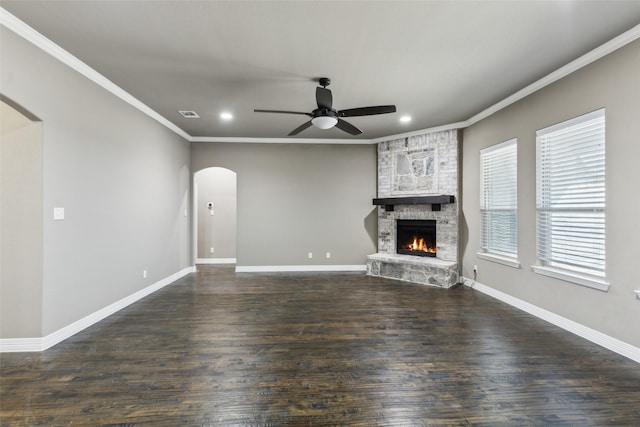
(324, 112)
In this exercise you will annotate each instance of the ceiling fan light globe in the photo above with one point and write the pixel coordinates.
(324, 122)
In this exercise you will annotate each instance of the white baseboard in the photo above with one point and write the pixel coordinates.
(294, 268)
(8, 345)
(215, 261)
(12, 345)
(585, 332)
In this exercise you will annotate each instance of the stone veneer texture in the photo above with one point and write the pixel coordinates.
(420, 165)
(426, 271)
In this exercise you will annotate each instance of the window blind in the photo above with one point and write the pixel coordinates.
(499, 199)
(570, 194)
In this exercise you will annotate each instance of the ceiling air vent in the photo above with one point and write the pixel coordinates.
(189, 114)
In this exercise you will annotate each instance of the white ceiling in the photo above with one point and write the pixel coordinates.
(440, 62)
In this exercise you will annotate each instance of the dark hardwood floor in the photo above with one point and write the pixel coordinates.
(219, 348)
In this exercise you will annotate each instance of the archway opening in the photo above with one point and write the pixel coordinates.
(215, 208)
(21, 224)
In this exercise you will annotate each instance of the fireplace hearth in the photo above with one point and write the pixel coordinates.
(416, 237)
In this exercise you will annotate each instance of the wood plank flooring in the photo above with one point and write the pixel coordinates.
(224, 349)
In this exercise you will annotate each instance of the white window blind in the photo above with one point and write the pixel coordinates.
(499, 199)
(570, 194)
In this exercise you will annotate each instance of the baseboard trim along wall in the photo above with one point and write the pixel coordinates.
(585, 332)
(215, 261)
(9, 345)
(294, 268)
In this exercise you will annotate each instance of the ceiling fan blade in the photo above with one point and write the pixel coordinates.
(324, 98)
(283, 112)
(348, 127)
(367, 111)
(300, 128)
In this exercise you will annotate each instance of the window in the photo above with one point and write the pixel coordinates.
(570, 200)
(499, 202)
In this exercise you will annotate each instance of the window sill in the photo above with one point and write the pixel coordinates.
(569, 276)
(504, 260)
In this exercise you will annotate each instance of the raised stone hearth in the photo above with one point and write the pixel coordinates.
(420, 167)
(415, 269)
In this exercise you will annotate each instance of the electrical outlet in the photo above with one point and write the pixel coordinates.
(328, 255)
(637, 291)
(310, 255)
(144, 274)
(211, 250)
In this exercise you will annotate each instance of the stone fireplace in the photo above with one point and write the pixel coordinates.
(418, 181)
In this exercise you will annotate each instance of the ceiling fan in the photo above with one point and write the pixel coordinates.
(326, 117)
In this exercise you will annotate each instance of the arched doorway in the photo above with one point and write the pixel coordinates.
(215, 204)
(21, 224)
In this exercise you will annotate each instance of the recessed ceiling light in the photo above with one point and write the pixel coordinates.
(405, 119)
(226, 116)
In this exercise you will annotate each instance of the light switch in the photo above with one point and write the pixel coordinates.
(58, 214)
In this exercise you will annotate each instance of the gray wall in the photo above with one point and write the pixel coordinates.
(20, 225)
(295, 199)
(612, 83)
(122, 178)
(217, 231)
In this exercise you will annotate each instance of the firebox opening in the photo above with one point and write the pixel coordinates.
(416, 237)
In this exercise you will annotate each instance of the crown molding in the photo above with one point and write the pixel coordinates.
(11, 22)
(573, 66)
(450, 126)
(612, 45)
(28, 33)
(278, 140)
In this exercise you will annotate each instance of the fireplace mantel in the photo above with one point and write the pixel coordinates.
(434, 201)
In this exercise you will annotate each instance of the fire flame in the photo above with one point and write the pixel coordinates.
(419, 245)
